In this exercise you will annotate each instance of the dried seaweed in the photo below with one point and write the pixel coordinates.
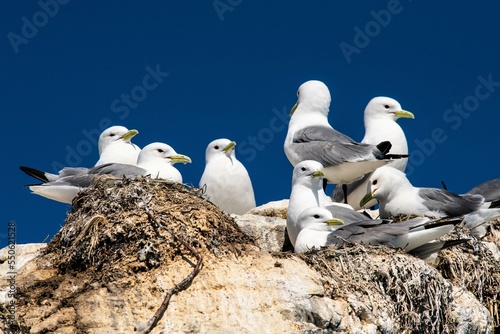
(108, 221)
(368, 276)
(472, 266)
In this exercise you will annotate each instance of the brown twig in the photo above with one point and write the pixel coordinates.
(184, 284)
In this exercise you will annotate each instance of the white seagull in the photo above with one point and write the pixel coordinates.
(156, 159)
(318, 228)
(114, 147)
(310, 137)
(397, 196)
(225, 179)
(380, 118)
(307, 191)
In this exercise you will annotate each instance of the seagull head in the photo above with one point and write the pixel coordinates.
(312, 96)
(319, 219)
(382, 107)
(308, 173)
(384, 183)
(161, 151)
(115, 134)
(220, 148)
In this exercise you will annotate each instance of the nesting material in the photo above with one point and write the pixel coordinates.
(110, 247)
(381, 282)
(108, 224)
(473, 266)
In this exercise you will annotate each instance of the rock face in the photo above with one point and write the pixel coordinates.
(110, 267)
(266, 225)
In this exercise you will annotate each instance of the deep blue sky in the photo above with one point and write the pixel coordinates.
(234, 74)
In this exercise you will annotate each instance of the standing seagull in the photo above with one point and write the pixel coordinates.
(227, 182)
(380, 118)
(310, 137)
(156, 159)
(114, 147)
(319, 228)
(397, 196)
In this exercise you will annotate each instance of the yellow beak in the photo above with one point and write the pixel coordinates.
(367, 198)
(318, 173)
(293, 108)
(229, 147)
(180, 158)
(334, 222)
(404, 114)
(130, 134)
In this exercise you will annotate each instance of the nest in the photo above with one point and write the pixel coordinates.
(473, 267)
(380, 282)
(120, 230)
(109, 225)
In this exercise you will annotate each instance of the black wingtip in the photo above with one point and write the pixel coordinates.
(396, 156)
(426, 250)
(384, 147)
(37, 174)
(495, 204)
(451, 243)
(443, 222)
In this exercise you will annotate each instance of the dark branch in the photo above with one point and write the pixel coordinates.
(184, 284)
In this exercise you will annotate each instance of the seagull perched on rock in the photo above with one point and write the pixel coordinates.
(310, 137)
(307, 191)
(156, 159)
(225, 179)
(380, 118)
(319, 228)
(114, 147)
(397, 196)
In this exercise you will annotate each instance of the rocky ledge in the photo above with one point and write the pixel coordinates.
(152, 256)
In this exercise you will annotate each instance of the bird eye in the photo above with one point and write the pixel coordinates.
(316, 216)
(303, 169)
(387, 106)
(374, 182)
(160, 150)
(111, 134)
(216, 147)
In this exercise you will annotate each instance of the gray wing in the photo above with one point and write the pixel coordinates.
(372, 232)
(331, 147)
(83, 179)
(118, 170)
(450, 203)
(347, 215)
(490, 190)
(378, 231)
(383, 232)
(70, 171)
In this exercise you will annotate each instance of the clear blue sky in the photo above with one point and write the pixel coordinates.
(231, 68)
